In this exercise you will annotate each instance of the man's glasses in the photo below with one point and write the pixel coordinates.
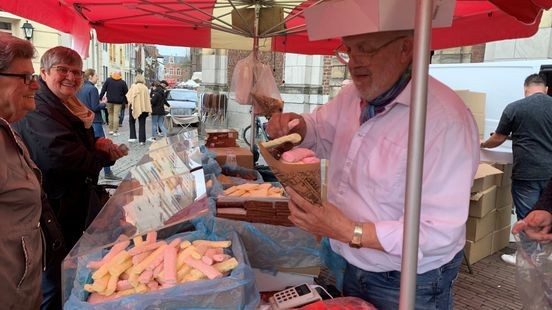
(28, 78)
(65, 71)
(345, 56)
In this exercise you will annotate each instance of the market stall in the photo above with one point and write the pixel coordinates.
(473, 22)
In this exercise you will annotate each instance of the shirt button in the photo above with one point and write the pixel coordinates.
(340, 192)
(348, 164)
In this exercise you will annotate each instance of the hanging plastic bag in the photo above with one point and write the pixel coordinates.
(534, 273)
(265, 93)
(242, 80)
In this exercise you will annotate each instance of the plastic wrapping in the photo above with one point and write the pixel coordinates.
(235, 291)
(163, 192)
(268, 247)
(250, 76)
(534, 273)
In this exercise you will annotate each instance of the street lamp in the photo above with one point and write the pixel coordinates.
(28, 30)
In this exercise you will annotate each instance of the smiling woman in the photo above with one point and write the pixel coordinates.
(61, 141)
(20, 193)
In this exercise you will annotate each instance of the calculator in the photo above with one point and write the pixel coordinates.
(294, 297)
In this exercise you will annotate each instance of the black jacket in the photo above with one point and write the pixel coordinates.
(116, 90)
(64, 151)
(158, 101)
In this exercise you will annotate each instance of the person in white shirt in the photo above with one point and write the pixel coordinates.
(363, 132)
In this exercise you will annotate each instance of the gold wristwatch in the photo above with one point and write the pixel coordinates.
(356, 242)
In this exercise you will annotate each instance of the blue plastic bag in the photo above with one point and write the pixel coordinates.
(235, 291)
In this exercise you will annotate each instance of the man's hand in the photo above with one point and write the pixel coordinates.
(281, 124)
(327, 220)
(537, 225)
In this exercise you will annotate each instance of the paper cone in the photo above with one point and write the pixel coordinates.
(303, 178)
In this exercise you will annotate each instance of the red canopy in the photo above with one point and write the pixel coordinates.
(191, 22)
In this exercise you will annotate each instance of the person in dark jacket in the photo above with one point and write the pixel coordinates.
(116, 89)
(61, 142)
(89, 95)
(158, 103)
(20, 192)
(538, 222)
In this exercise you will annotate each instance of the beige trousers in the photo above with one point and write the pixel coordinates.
(114, 109)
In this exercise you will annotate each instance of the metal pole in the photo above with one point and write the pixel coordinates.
(416, 139)
(255, 53)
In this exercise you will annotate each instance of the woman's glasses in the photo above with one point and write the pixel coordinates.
(65, 71)
(28, 78)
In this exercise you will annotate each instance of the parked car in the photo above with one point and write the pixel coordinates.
(182, 101)
(183, 110)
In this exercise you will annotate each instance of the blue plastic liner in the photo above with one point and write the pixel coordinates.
(235, 291)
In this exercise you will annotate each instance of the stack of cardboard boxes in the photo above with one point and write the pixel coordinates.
(222, 142)
(488, 225)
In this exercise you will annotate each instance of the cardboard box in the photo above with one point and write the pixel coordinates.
(339, 18)
(478, 250)
(506, 177)
(484, 178)
(476, 102)
(501, 239)
(503, 196)
(222, 133)
(479, 227)
(221, 138)
(483, 202)
(503, 217)
(244, 157)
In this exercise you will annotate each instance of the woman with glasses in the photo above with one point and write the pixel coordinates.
(20, 192)
(364, 133)
(61, 141)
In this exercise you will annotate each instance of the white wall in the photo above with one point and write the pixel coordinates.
(501, 81)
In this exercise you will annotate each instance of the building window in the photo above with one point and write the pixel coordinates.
(5, 27)
(105, 73)
(104, 46)
(171, 60)
(178, 72)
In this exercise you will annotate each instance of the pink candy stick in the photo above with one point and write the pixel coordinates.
(175, 243)
(151, 237)
(220, 257)
(146, 276)
(207, 270)
(123, 285)
(136, 259)
(207, 260)
(169, 266)
(116, 249)
(145, 247)
(213, 251)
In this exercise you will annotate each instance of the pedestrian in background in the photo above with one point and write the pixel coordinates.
(20, 190)
(61, 142)
(529, 122)
(139, 107)
(115, 88)
(89, 95)
(158, 103)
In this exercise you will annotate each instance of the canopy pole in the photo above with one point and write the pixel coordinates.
(253, 130)
(416, 139)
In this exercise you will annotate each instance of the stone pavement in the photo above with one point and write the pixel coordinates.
(491, 286)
